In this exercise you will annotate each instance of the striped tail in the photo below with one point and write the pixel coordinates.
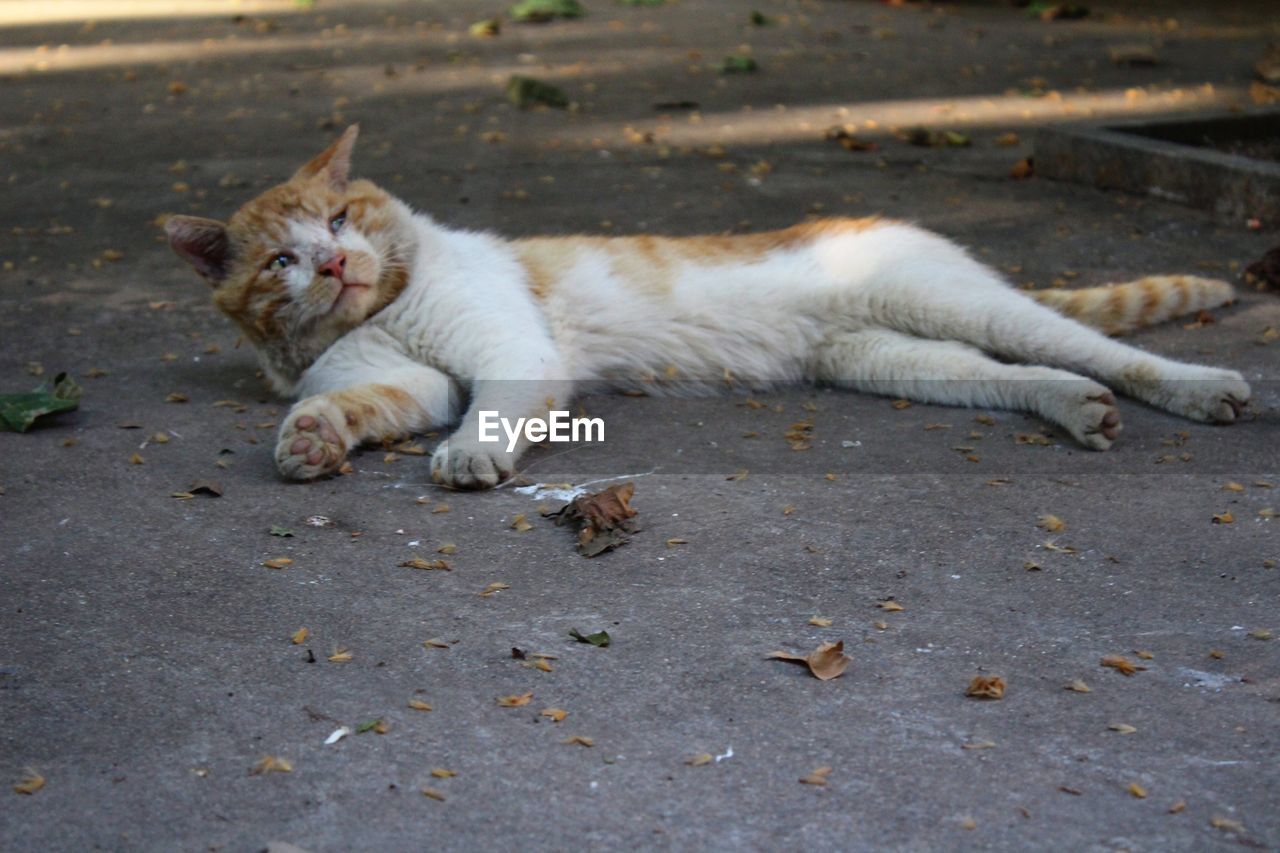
(1119, 308)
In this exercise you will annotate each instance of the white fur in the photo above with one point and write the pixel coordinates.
(890, 308)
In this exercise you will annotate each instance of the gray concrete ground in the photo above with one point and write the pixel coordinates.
(146, 664)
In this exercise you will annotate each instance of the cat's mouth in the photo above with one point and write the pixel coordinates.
(349, 292)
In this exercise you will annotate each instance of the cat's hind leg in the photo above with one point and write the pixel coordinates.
(883, 361)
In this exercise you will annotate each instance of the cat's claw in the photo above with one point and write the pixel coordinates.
(309, 445)
(464, 466)
(1211, 395)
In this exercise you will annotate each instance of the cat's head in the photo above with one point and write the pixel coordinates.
(303, 263)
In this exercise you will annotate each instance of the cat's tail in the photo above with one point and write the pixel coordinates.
(1119, 308)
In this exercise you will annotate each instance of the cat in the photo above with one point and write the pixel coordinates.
(384, 322)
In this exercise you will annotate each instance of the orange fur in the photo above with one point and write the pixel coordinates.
(1120, 308)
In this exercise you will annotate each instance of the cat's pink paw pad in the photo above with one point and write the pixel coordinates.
(1094, 420)
(309, 447)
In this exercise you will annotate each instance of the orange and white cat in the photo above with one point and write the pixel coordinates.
(384, 322)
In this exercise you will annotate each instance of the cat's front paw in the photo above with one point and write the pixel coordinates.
(310, 445)
(465, 465)
(1211, 395)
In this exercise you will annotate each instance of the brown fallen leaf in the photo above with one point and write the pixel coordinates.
(700, 759)
(299, 636)
(443, 773)
(520, 524)
(31, 782)
(986, 687)
(1233, 487)
(979, 744)
(432, 793)
(439, 508)
(901, 404)
(271, 764)
(340, 655)
(1137, 790)
(1223, 517)
(435, 643)
(1023, 169)
(737, 476)
(419, 705)
(516, 700)
(671, 543)
(819, 622)
(447, 549)
(1260, 634)
(1122, 728)
(826, 662)
(419, 563)
(818, 776)
(277, 562)
(1121, 664)
(539, 664)
(581, 740)
(556, 715)
(493, 588)
(176, 397)
(1178, 807)
(1226, 824)
(136, 459)
(605, 519)
(1145, 655)
(1078, 686)
(1051, 523)
(890, 606)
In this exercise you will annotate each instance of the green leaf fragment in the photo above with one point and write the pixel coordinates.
(367, 726)
(19, 411)
(956, 140)
(600, 639)
(540, 11)
(277, 530)
(486, 28)
(526, 92)
(738, 64)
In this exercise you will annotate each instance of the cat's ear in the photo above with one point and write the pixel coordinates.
(334, 163)
(202, 243)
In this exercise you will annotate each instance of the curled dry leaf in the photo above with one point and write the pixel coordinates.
(435, 643)
(581, 740)
(1226, 824)
(520, 524)
(1145, 655)
(1223, 517)
(1137, 790)
(271, 764)
(1051, 523)
(826, 662)
(1233, 487)
(1078, 686)
(819, 622)
(419, 705)
(299, 636)
(605, 519)
(1121, 664)
(890, 606)
(340, 655)
(419, 563)
(671, 543)
(31, 782)
(277, 562)
(516, 700)
(539, 664)
(979, 744)
(1260, 634)
(495, 587)
(986, 687)
(556, 715)
(447, 549)
(1178, 807)
(817, 777)
(443, 773)
(433, 794)
(700, 759)
(1122, 728)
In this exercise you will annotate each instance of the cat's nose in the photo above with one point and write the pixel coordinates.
(334, 267)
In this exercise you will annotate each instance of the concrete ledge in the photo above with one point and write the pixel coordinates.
(1165, 159)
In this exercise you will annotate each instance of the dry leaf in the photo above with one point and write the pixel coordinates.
(271, 764)
(176, 397)
(1078, 686)
(1137, 790)
(740, 474)
(438, 508)
(1260, 634)
(31, 782)
(340, 655)
(442, 773)
(901, 404)
(890, 606)
(1051, 523)
(300, 636)
(1226, 824)
(419, 705)
(986, 687)
(136, 459)
(277, 562)
(515, 701)
(1223, 518)
(605, 519)
(520, 525)
(1217, 654)
(447, 549)
(819, 622)
(581, 740)
(671, 543)
(1233, 487)
(419, 563)
(979, 744)
(539, 664)
(1145, 655)
(1121, 664)
(1122, 728)
(435, 643)
(1178, 807)
(433, 794)
(700, 759)
(1023, 169)
(495, 587)
(817, 777)
(556, 715)
(826, 662)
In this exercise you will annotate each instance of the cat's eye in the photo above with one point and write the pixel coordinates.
(335, 224)
(280, 261)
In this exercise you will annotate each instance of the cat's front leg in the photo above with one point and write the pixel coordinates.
(465, 460)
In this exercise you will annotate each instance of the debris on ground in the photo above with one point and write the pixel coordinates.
(605, 518)
(19, 411)
(826, 662)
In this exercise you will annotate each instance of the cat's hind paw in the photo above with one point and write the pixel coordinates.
(468, 466)
(1218, 397)
(1090, 415)
(310, 446)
